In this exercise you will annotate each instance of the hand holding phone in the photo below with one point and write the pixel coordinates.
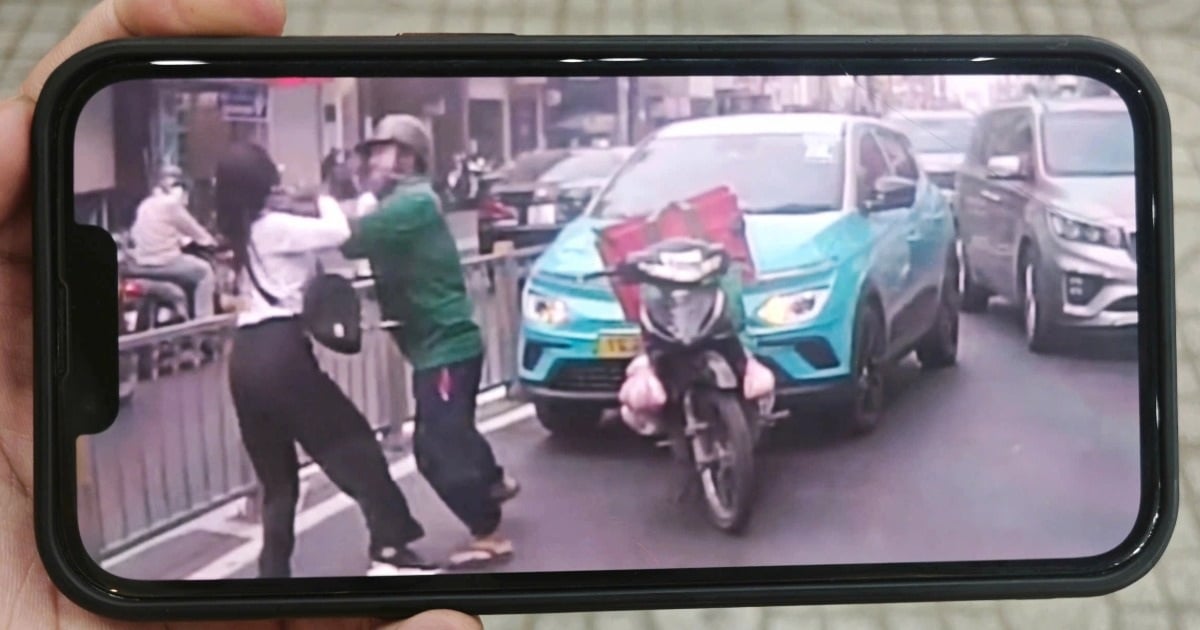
(877, 308)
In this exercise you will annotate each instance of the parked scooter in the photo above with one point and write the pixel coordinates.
(143, 304)
(694, 351)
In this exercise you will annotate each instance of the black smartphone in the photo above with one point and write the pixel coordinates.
(531, 324)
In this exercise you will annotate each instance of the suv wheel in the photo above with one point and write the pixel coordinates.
(1039, 333)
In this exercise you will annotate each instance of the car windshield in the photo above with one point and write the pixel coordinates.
(938, 135)
(1088, 144)
(585, 165)
(770, 173)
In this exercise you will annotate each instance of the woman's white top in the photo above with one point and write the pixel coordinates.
(283, 253)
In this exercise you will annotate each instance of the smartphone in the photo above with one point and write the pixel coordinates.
(586, 323)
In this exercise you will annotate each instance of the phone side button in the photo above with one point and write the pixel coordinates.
(62, 332)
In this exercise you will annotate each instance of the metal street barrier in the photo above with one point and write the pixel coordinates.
(175, 452)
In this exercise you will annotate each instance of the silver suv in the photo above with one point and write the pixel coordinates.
(1046, 211)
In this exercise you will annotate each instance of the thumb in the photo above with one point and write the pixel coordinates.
(16, 115)
(437, 620)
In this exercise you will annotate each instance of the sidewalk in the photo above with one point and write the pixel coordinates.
(1164, 34)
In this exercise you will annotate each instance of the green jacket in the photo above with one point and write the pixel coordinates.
(419, 276)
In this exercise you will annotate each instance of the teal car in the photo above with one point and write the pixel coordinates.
(853, 247)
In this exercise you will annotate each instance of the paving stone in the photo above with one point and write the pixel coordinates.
(1148, 591)
(854, 620)
(795, 618)
(1181, 575)
(623, 621)
(1061, 614)
(1144, 619)
(973, 620)
(709, 618)
(508, 622)
(573, 621)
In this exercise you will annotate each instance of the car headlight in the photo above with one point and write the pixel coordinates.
(544, 310)
(793, 308)
(1079, 231)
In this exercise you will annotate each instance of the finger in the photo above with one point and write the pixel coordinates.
(118, 19)
(437, 620)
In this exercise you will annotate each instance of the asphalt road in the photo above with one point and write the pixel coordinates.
(1006, 456)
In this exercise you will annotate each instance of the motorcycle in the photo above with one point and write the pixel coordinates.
(695, 356)
(142, 304)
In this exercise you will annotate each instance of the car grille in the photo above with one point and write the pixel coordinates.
(604, 375)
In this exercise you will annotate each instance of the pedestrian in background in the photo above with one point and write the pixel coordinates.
(281, 395)
(419, 281)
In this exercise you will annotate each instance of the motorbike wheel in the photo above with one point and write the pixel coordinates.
(728, 479)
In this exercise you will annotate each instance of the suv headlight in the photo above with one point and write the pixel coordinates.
(544, 310)
(1080, 231)
(789, 309)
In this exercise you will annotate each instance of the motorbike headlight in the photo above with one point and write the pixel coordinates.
(793, 308)
(1080, 231)
(544, 310)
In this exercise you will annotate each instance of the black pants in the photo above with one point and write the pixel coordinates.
(283, 398)
(451, 453)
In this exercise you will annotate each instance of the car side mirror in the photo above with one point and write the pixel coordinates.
(1007, 167)
(891, 192)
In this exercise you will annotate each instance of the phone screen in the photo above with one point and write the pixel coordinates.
(378, 326)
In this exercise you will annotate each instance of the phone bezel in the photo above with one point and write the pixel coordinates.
(80, 77)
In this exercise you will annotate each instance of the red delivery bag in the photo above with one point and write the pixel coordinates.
(714, 216)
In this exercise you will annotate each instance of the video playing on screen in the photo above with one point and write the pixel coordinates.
(405, 326)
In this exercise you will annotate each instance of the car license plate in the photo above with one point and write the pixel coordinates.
(618, 346)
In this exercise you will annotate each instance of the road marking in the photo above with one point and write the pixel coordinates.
(225, 519)
(247, 553)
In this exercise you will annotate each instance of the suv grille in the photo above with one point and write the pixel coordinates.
(604, 375)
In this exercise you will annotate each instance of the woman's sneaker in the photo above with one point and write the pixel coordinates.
(387, 561)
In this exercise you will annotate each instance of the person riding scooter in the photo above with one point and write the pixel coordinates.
(160, 229)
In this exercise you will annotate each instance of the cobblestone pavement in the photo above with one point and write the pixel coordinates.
(1165, 34)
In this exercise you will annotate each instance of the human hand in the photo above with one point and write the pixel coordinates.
(27, 597)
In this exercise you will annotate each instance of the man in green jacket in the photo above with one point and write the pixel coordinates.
(420, 284)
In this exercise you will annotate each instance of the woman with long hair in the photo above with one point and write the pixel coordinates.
(281, 395)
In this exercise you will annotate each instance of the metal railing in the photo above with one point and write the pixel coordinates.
(175, 452)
